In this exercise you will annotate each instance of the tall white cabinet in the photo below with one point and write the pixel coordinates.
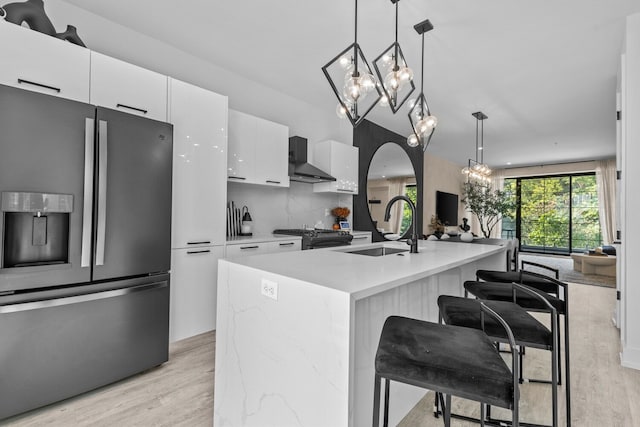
(628, 155)
(199, 119)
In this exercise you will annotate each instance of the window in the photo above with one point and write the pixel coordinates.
(411, 191)
(556, 214)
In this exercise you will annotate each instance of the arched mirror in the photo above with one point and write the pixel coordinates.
(383, 152)
(391, 174)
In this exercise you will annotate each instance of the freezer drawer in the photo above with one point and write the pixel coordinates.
(59, 347)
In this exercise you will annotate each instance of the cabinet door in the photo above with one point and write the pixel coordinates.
(272, 153)
(241, 150)
(194, 275)
(122, 86)
(41, 63)
(361, 239)
(199, 119)
(246, 249)
(341, 161)
(284, 245)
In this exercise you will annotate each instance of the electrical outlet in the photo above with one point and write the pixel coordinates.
(327, 212)
(269, 289)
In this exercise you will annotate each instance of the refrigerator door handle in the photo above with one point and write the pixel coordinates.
(89, 140)
(102, 191)
(57, 302)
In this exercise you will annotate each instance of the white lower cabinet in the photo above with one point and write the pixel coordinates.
(236, 249)
(361, 238)
(194, 275)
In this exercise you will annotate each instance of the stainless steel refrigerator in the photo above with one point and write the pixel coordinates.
(85, 196)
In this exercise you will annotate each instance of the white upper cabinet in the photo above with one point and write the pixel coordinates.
(199, 119)
(258, 151)
(41, 63)
(340, 161)
(126, 87)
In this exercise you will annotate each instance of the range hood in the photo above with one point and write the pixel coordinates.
(299, 169)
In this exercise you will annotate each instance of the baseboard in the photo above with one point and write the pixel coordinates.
(630, 358)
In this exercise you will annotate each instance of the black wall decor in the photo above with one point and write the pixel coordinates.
(31, 12)
(369, 137)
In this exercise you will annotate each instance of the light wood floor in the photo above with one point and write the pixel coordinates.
(180, 393)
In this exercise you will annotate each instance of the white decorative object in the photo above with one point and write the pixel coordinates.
(466, 237)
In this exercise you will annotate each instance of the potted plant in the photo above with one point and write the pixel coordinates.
(436, 226)
(487, 204)
(341, 214)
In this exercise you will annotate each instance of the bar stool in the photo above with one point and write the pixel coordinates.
(538, 281)
(450, 360)
(496, 291)
(527, 331)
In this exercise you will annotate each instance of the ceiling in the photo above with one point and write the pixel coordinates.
(544, 72)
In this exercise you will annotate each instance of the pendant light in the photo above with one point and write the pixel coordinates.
(422, 122)
(352, 81)
(394, 74)
(477, 169)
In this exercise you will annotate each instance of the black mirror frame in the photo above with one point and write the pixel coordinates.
(368, 137)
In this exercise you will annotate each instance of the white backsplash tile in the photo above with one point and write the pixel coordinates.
(293, 207)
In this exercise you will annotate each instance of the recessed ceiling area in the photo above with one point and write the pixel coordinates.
(544, 73)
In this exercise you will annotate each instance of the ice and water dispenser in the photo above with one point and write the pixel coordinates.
(35, 229)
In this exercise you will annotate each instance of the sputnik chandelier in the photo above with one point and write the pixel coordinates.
(392, 70)
(358, 90)
(477, 169)
(352, 81)
(422, 122)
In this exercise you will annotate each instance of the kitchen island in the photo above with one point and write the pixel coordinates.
(297, 332)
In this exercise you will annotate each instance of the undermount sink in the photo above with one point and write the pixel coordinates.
(381, 251)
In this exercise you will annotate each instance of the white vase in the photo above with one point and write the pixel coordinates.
(466, 237)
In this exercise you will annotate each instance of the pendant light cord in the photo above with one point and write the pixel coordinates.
(395, 58)
(482, 142)
(355, 43)
(422, 80)
(477, 120)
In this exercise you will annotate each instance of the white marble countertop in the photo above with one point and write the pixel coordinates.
(362, 276)
(240, 240)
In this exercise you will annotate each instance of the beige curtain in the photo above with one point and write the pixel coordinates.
(396, 187)
(606, 182)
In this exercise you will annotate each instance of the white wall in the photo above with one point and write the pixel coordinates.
(443, 175)
(273, 207)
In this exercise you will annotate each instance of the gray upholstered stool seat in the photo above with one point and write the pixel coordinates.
(522, 277)
(498, 291)
(448, 359)
(527, 330)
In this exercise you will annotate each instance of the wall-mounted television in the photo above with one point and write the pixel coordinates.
(447, 208)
